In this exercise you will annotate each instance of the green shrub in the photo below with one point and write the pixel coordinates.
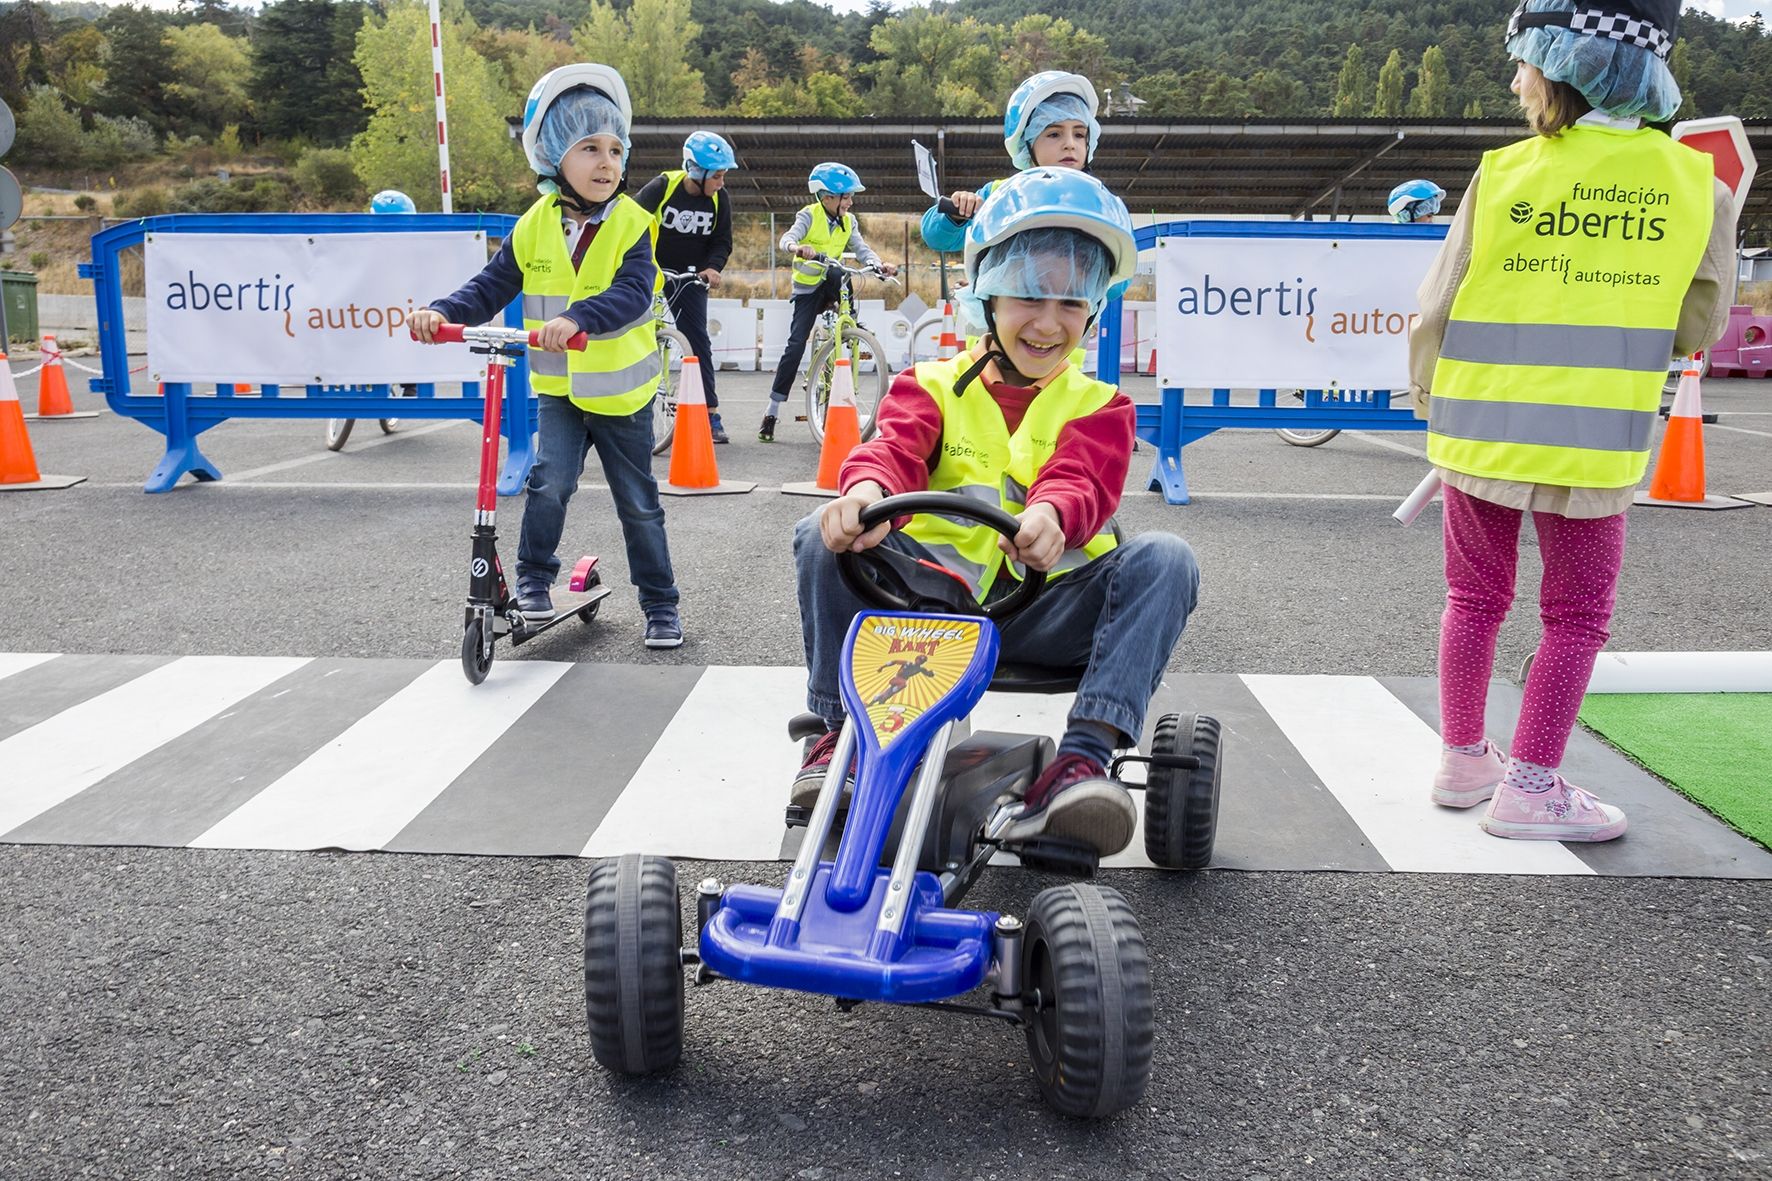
(325, 177)
(113, 141)
(149, 202)
(39, 260)
(85, 203)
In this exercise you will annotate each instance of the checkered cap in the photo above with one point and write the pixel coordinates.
(1631, 28)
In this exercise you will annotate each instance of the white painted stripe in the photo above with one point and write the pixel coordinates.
(1741, 430)
(323, 455)
(359, 790)
(1378, 760)
(68, 753)
(18, 662)
(1387, 444)
(715, 783)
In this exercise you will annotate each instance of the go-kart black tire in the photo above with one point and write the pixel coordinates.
(474, 662)
(1181, 807)
(1090, 1042)
(634, 965)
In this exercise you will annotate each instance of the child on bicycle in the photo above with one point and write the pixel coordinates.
(694, 229)
(826, 227)
(1013, 416)
(581, 257)
(1545, 375)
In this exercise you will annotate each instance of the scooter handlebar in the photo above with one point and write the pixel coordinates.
(947, 206)
(461, 333)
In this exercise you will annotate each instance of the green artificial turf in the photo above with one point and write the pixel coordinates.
(1715, 748)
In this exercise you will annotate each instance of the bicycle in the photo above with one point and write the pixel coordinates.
(672, 345)
(839, 332)
(338, 430)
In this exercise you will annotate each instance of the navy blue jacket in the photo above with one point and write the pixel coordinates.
(626, 300)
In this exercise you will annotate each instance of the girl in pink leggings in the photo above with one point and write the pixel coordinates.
(1580, 260)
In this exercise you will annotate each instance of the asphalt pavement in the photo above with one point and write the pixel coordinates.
(207, 1013)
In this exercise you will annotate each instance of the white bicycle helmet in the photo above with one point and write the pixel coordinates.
(1028, 96)
(552, 85)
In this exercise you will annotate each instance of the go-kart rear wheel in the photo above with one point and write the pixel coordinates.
(1181, 807)
(476, 658)
(633, 964)
(1090, 1041)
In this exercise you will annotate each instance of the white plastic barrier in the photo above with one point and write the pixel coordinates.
(732, 334)
(894, 332)
(776, 317)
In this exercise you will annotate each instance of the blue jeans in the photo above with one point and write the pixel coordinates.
(1120, 616)
(808, 306)
(624, 445)
(689, 311)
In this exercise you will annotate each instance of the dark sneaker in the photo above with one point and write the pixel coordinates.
(535, 605)
(1074, 798)
(664, 628)
(766, 432)
(813, 770)
(718, 430)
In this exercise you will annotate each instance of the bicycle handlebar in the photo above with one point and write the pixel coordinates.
(489, 334)
(873, 272)
(690, 276)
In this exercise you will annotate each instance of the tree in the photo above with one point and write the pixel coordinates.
(77, 64)
(935, 64)
(1351, 84)
(138, 68)
(1433, 86)
(1274, 93)
(650, 45)
(49, 134)
(1387, 103)
(398, 149)
(24, 29)
(1473, 109)
(1039, 42)
(1215, 94)
(1679, 63)
(523, 55)
(209, 71)
(305, 82)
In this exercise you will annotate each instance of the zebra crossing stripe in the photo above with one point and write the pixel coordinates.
(364, 786)
(1377, 757)
(68, 753)
(18, 662)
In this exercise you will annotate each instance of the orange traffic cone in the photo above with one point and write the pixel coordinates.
(53, 400)
(949, 346)
(1678, 481)
(18, 464)
(693, 470)
(842, 434)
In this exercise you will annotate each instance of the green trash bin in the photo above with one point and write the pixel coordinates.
(18, 290)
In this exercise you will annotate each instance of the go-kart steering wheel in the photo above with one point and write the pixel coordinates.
(895, 581)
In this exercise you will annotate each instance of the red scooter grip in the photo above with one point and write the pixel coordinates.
(446, 334)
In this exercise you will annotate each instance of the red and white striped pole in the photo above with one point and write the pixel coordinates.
(442, 114)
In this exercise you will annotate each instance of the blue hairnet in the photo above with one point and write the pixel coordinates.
(576, 115)
(1616, 77)
(1050, 262)
(1057, 109)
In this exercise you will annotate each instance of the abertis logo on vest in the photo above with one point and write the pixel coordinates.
(1575, 216)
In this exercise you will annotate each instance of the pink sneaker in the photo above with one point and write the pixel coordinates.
(1563, 813)
(1464, 781)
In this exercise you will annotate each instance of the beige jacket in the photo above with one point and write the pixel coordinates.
(1703, 316)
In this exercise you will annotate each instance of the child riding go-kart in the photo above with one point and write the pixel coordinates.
(867, 926)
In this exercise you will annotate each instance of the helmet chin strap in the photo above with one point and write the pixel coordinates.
(573, 200)
(994, 352)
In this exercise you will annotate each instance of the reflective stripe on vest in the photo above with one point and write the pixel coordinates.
(979, 459)
(618, 372)
(1582, 248)
(830, 241)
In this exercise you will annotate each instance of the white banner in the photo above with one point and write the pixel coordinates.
(1287, 313)
(294, 309)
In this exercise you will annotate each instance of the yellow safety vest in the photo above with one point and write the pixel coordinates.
(618, 372)
(980, 459)
(1582, 248)
(825, 238)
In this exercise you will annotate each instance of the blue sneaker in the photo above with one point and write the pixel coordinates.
(718, 431)
(664, 628)
(534, 604)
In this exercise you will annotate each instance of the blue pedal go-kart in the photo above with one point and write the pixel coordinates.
(858, 926)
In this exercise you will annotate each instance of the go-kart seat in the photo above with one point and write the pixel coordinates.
(1034, 678)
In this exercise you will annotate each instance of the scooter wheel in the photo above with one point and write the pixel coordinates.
(476, 662)
(1090, 1040)
(633, 964)
(1181, 807)
(337, 431)
(588, 612)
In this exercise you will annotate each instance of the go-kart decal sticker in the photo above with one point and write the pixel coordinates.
(903, 665)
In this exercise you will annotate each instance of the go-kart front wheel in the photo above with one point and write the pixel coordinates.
(633, 964)
(1090, 1042)
(1181, 807)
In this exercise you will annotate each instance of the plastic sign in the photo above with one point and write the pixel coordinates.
(1725, 139)
(926, 172)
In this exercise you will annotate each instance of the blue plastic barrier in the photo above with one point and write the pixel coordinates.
(182, 413)
(1172, 423)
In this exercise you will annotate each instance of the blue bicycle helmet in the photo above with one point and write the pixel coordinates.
(1049, 86)
(708, 152)
(1415, 200)
(391, 201)
(835, 178)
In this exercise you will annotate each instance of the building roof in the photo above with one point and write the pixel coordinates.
(1223, 166)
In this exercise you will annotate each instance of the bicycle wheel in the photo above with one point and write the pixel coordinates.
(337, 431)
(858, 344)
(926, 337)
(1304, 438)
(672, 348)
